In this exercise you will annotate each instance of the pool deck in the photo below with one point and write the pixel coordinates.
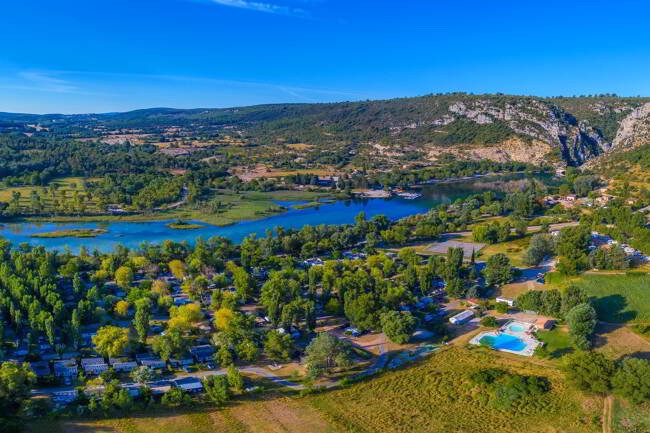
(515, 328)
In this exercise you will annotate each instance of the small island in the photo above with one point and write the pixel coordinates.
(71, 233)
(184, 225)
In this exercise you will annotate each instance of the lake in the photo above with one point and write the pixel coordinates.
(132, 234)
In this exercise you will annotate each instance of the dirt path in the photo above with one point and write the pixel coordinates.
(608, 403)
(181, 202)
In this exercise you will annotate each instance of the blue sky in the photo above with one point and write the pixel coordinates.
(73, 56)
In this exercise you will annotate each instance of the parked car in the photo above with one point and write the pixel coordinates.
(353, 332)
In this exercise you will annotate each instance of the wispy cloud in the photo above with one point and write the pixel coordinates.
(305, 94)
(47, 83)
(269, 8)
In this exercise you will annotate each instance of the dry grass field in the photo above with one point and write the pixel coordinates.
(437, 396)
(270, 413)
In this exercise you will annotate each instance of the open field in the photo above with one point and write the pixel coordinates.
(247, 174)
(629, 418)
(618, 341)
(436, 396)
(443, 247)
(558, 342)
(514, 249)
(265, 413)
(513, 290)
(618, 298)
(64, 190)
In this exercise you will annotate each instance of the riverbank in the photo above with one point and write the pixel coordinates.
(70, 233)
(229, 208)
(472, 177)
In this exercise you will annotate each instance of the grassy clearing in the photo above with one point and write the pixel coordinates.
(513, 290)
(248, 205)
(629, 418)
(558, 342)
(437, 396)
(617, 298)
(513, 249)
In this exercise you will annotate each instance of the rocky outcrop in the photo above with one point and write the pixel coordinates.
(546, 126)
(634, 129)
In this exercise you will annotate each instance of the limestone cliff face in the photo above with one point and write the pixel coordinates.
(541, 128)
(634, 129)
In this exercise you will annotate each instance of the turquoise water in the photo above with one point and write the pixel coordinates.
(516, 328)
(133, 234)
(504, 342)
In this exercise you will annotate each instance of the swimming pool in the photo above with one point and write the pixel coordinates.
(516, 328)
(504, 342)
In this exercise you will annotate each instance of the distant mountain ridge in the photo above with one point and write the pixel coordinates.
(560, 131)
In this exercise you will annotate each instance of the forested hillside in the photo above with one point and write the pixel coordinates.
(562, 130)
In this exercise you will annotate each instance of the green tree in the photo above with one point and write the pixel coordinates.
(398, 326)
(582, 322)
(247, 350)
(362, 309)
(632, 380)
(175, 397)
(326, 352)
(498, 270)
(224, 356)
(572, 296)
(124, 277)
(540, 246)
(235, 379)
(589, 371)
(278, 347)
(111, 341)
(143, 374)
(217, 389)
(173, 343)
(178, 269)
(141, 318)
(16, 381)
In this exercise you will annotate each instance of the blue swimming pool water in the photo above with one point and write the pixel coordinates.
(516, 328)
(504, 342)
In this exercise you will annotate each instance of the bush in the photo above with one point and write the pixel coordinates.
(632, 380)
(589, 371)
(489, 321)
(175, 397)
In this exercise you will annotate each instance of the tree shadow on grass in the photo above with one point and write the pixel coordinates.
(559, 353)
(612, 309)
(639, 355)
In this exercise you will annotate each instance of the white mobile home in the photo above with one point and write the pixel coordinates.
(462, 317)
